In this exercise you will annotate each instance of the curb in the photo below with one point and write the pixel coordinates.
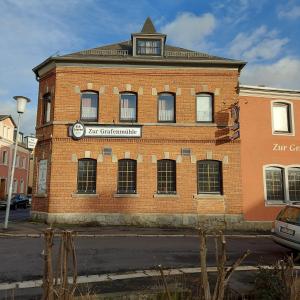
(39, 235)
(114, 276)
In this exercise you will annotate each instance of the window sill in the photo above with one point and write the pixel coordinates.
(208, 196)
(165, 195)
(284, 133)
(275, 203)
(40, 195)
(77, 195)
(126, 195)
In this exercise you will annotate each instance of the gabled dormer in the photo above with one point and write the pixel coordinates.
(148, 42)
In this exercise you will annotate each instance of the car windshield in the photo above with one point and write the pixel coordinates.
(290, 215)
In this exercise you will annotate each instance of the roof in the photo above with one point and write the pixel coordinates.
(4, 117)
(148, 26)
(121, 53)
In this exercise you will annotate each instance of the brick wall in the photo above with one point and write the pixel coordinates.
(158, 141)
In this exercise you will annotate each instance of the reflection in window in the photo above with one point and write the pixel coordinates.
(166, 107)
(86, 177)
(209, 176)
(128, 107)
(294, 183)
(89, 106)
(148, 47)
(274, 184)
(204, 108)
(166, 176)
(127, 176)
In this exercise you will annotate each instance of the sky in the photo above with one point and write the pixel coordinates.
(265, 33)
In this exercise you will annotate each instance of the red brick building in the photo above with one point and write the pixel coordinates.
(137, 132)
(270, 150)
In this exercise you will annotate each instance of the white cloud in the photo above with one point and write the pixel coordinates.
(282, 74)
(290, 13)
(190, 30)
(261, 44)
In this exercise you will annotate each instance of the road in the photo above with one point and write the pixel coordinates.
(19, 214)
(21, 258)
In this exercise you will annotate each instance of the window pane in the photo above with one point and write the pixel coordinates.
(204, 108)
(86, 182)
(281, 122)
(128, 107)
(127, 176)
(274, 184)
(89, 107)
(294, 184)
(148, 47)
(209, 177)
(166, 108)
(166, 176)
(47, 108)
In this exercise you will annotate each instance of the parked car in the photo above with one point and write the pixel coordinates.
(17, 201)
(286, 229)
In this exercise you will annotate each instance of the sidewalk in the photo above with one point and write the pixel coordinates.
(36, 229)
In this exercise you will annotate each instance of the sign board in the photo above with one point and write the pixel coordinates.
(79, 130)
(42, 177)
(31, 142)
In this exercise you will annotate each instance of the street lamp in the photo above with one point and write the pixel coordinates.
(21, 104)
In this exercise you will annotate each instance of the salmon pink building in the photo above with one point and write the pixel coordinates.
(270, 150)
(7, 130)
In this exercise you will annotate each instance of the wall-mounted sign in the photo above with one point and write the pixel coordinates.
(235, 114)
(30, 142)
(78, 130)
(281, 147)
(42, 177)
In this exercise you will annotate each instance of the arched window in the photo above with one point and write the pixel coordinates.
(274, 183)
(294, 183)
(166, 176)
(127, 176)
(89, 106)
(86, 177)
(46, 108)
(204, 108)
(166, 107)
(209, 177)
(281, 117)
(128, 107)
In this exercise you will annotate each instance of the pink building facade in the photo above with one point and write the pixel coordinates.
(7, 128)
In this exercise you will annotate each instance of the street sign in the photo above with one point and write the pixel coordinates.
(31, 142)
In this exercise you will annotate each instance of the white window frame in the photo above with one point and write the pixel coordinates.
(291, 116)
(285, 169)
(211, 96)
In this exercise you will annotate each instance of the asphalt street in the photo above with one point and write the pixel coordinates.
(19, 214)
(21, 258)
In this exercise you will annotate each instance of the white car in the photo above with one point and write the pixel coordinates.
(286, 229)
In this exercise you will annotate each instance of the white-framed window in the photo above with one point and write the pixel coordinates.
(282, 183)
(204, 108)
(22, 186)
(15, 186)
(128, 107)
(89, 106)
(166, 107)
(17, 164)
(4, 157)
(282, 117)
(46, 108)
(148, 47)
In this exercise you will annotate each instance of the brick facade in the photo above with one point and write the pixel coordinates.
(65, 82)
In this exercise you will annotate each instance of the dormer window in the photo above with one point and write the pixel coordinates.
(148, 42)
(148, 47)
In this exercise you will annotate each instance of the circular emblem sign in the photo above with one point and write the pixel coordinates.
(78, 130)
